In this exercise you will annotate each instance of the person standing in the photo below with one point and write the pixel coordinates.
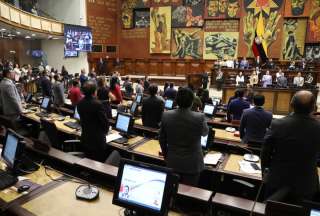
(75, 94)
(94, 124)
(205, 80)
(236, 106)
(180, 135)
(290, 152)
(266, 79)
(58, 91)
(298, 80)
(10, 101)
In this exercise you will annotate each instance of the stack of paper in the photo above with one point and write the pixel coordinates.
(112, 137)
(114, 113)
(212, 159)
(246, 167)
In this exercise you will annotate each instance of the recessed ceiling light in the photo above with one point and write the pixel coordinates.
(55, 38)
(11, 35)
(27, 37)
(18, 33)
(3, 29)
(33, 35)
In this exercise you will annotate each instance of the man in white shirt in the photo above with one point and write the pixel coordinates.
(267, 79)
(298, 80)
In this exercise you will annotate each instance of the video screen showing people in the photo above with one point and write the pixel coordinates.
(143, 187)
(77, 38)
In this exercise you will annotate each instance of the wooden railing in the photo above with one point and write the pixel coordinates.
(22, 19)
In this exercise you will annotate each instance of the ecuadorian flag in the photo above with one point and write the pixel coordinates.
(259, 47)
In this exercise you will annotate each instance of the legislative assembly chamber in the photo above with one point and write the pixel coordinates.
(159, 107)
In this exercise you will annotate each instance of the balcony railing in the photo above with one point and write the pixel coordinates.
(22, 19)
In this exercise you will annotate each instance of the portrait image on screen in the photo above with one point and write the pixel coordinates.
(77, 38)
(208, 109)
(10, 149)
(123, 123)
(142, 187)
(168, 104)
(45, 103)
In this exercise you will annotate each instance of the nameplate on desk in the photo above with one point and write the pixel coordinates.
(212, 159)
(112, 137)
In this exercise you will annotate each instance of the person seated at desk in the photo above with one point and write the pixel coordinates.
(298, 80)
(244, 64)
(236, 63)
(236, 106)
(127, 85)
(152, 108)
(270, 64)
(75, 94)
(94, 123)
(290, 152)
(240, 79)
(303, 64)
(115, 90)
(180, 135)
(170, 93)
(219, 79)
(266, 79)
(282, 81)
(10, 100)
(104, 96)
(309, 80)
(254, 79)
(292, 66)
(255, 121)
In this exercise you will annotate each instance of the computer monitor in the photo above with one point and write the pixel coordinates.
(76, 114)
(124, 123)
(133, 108)
(139, 98)
(168, 104)
(207, 141)
(28, 98)
(11, 149)
(144, 188)
(209, 109)
(45, 104)
(314, 212)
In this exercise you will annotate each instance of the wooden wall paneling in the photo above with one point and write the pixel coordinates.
(282, 102)
(182, 68)
(155, 67)
(269, 100)
(129, 66)
(227, 94)
(168, 68)
(142, 67)
(195, 67)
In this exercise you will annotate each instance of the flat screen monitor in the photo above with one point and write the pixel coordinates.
(76, 114)
(45, 103)
(77, 38)
(209, 109)
(133, 108)
(144, 188)
(168, 104)
(204, 141)
(123, 123)
(207, 140)
(70, 53)
(28, 98)
(10, 148)
(314, 212)
(37, 53)
(139, 98)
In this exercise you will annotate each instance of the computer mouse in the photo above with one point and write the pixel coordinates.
(23, 188)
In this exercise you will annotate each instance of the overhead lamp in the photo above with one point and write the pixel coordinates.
(27, 37)
(33, 35)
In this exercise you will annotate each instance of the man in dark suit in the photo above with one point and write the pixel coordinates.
(236, 106)
(180, 136)
(94, 123)
(255, 121)
(45, 84)
(289, 154)
(170, 92)
(152, 108)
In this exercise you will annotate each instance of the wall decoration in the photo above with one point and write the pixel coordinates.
(179, 14)
(160, 29)
(293, 39)
(157, 3)
(222, 9)
(262, 20)
(312, 52)
(127, 13)
(297, 8)
(142, 4)
(313, 34)
(141, 18)
(194, 13)
(187, 43)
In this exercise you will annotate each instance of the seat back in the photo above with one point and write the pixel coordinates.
(52, 132)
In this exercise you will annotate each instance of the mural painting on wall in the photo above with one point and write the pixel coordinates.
(158, 3)
(293, 39)
(187, 43)
(127, 13)
(261, 22)
(160, 30)
(194, 13)
(312, 52)
(221, 39)
(313, 34)
(222, 9)
(296, 8)
(141, 18)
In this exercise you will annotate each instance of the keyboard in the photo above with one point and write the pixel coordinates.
(42, 115)
(73, 125)
(7, 180)
(121, 140)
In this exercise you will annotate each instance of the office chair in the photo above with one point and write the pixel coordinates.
(14, 125)
(55, 137)
(113, 159)
(274, 208)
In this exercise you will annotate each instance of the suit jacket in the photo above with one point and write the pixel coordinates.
(58, 94)
(290, 152)
(95, 126)
(170, 93)
(152, 109)
(236, 108)
(10, 100)
(45, 86)
(254, 123)
(180, 136)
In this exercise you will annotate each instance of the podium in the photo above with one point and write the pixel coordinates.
(195, 80)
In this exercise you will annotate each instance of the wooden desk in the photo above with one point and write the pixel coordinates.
(232, 166)
(149, 148)
(225, 135)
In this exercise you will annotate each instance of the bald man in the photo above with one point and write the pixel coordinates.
(289, 154)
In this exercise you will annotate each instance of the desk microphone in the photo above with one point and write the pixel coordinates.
(249, 157)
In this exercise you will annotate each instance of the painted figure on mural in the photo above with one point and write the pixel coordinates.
(233, 8)
(160, 30)
(213, 8)
(291, 50)
(297, 7)
(187, 44)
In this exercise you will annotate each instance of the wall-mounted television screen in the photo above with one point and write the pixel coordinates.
(77, 38)
(70, 54)
(37, 53)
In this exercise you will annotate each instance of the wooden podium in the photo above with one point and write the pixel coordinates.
(195, 80)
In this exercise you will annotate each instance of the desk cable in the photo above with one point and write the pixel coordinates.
(256, 198)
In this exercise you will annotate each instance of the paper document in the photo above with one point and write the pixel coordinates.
(114, 113)
(112, 137)
(247, 167)
(212, 159)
